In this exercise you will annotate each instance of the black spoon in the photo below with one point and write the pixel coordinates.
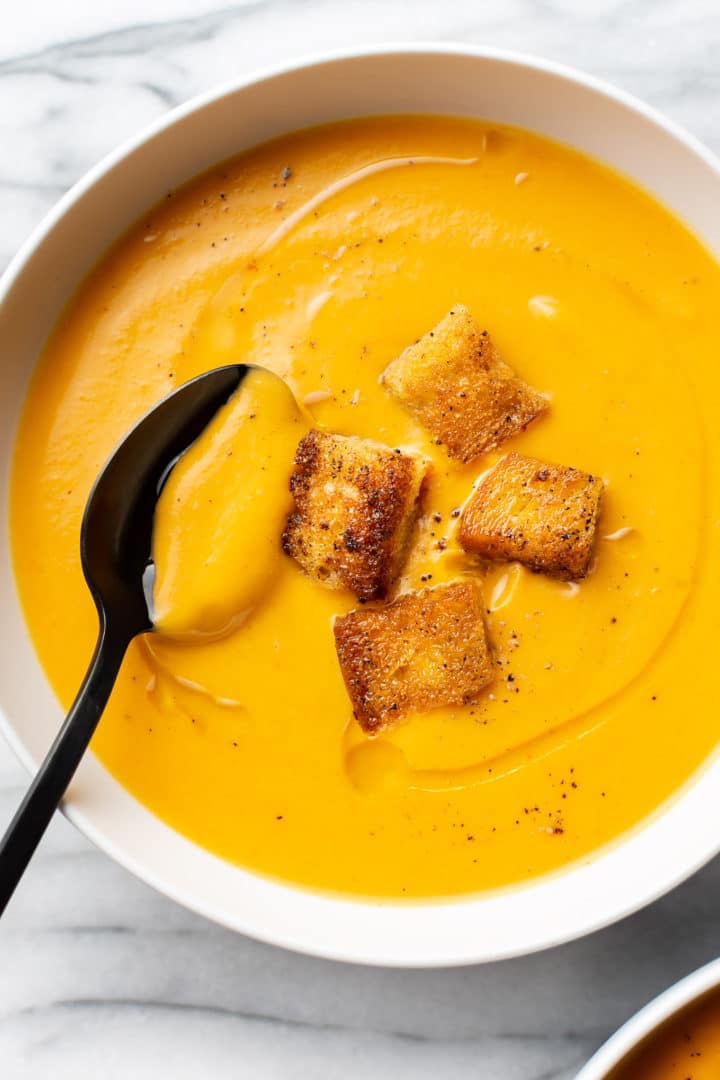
(116, 553)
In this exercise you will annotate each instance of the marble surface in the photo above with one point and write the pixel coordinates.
(100, 976)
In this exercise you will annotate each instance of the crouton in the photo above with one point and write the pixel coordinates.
(423, 650)
(455, 384)
(356, 502)
(541, 515)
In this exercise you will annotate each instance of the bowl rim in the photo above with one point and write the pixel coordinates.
(650, 1019)
(423, 953)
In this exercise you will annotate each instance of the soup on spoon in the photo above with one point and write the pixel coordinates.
(217, 521)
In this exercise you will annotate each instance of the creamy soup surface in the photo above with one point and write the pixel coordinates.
(321, 256)
(687, 1048)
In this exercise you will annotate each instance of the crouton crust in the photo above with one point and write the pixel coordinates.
(455, 384)
(541, 515)
(424, 650)
(356, 502)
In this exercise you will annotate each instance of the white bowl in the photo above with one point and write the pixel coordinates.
(649, 1021)
(510, 89)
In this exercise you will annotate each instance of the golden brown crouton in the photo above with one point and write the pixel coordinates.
(356, 502)
(541, 515)
(423, 650)
(456, 385)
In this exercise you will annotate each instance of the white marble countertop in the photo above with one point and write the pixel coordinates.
(100, 976)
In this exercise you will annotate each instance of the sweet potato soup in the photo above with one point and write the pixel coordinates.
(687, 1048)
(566, 690)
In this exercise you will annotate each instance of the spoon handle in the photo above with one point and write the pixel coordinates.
(54, 775)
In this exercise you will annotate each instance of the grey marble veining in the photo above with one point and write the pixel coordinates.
(100, 976)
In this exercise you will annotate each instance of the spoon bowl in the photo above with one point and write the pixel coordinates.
(116, 533)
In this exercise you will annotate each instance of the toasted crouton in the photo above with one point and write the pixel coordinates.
(423, 650)
(356, 502)
(456, 386)
(541, 515)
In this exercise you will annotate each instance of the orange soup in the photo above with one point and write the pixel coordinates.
(687, 1048)
(321, 256)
